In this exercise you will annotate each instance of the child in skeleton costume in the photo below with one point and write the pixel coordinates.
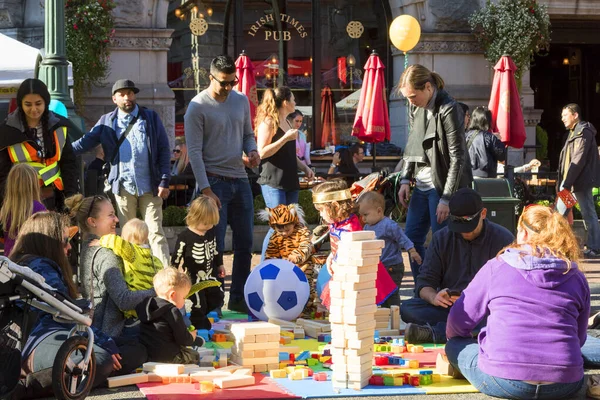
(291, 241)
(196, 254)
(139, 265)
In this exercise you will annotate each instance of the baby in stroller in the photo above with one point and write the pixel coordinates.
(58, 348)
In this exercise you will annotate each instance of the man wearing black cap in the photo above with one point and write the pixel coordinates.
(452, 260)
(136, 146)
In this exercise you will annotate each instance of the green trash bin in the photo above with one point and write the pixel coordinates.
(498, 200)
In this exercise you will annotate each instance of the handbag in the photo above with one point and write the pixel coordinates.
(567, 198)
(106, 166)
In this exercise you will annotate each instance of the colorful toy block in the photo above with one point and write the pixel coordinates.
(320, 376)
(292, 357)
(219, 337)
(327, 352)
(324, 337)
(415, 380)
(395, 360)
(381, 360)
(388, 380)
(398, 342)
(376, 380)
(283, 356)
(436, 378)
(278, 373)
(417, 349)
(398, 380)
(324, 359)
(301, 362)
(205, 386)
(214, 315)
(303, 356)
(312, 362)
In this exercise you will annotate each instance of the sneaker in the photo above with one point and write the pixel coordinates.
(238, 306)
(594, 321)
(591, 254)
(416, 334)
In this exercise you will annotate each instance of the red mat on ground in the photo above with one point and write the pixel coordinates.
(264, 388)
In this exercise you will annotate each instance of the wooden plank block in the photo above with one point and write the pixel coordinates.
(346, 259)
(342, 270)
(124, 380)
(359, 343)
(383, 311)
(240, 346)
(164, 369)
(260, 353)
(272, 353)
(259, 368)
(282, 323)
(358, 253)
(362, 245)
(230, 368)
(289, 349)
(354, 289)
(395, 317)
(254, 328)
(359, 359)
(350, 310)
(261, 338)
(352, 302)
(248, 362)
(359, 368)
(357, 319)
(358, 385)
(152, 377)
(191, 368)
(208, 375)
(234, 381)
(271, 367)
(273, 337)
(245, 339)
(359, 278)
(389, 332)
(357, 236)
(243, 371)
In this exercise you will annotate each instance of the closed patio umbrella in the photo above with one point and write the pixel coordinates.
(247, 84)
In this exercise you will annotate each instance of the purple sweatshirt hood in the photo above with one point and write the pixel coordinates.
(544, 272)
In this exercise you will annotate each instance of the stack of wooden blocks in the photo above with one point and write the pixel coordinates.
(314, 328)
(256, 345)
(352, 311)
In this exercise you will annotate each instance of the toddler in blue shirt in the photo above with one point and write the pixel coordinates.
(371, 208)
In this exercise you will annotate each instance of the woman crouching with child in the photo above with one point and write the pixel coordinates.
(537, 303)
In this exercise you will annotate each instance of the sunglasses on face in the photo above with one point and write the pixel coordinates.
(465, 219)
(224, 84)
(176, 151)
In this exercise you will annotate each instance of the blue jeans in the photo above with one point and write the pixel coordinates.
(591, 353)
(590, 217)
(421, 216)
(463, 354)
(237, 206)
(419, 311)
(274, 197)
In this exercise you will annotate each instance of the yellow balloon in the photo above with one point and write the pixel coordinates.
(405, 32)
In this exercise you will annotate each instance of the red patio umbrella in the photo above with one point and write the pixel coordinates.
(505, 105)
(247, 84)
(372, 121)
(328, 132)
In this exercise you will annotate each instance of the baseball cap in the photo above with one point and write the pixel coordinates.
(124, 84)
(465, 210)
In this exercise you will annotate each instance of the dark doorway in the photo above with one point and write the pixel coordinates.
(569, 73)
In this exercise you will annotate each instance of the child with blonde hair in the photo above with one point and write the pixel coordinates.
(133, 246)
(21, 200)
(334, 202)
(196, 254)
(163, 331)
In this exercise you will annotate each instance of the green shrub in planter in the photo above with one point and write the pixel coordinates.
(174, 216)
(304, 199)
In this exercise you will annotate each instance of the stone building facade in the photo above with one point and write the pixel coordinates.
(150, 38)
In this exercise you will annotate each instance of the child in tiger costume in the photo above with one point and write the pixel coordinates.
(291, 241)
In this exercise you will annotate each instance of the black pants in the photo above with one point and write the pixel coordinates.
(205, 301)
(396, 271)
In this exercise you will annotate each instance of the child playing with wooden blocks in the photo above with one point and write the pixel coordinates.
(371, 208)
(196, 254)
(291, 241)
(334, 202)
(133, 247)
(163, 331)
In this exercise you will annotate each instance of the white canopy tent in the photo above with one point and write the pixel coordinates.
(19, 62)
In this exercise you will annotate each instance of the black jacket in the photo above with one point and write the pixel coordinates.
(485, 151)
(163, 331)
(583, 167)
(452, 262)
(443, 144)
(12, 132)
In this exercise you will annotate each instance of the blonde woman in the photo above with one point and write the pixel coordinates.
(182, 165)
(21, 200)
(436, 159)
(533, 292)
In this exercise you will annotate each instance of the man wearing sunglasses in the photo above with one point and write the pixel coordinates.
(456, 253)
(218, 132)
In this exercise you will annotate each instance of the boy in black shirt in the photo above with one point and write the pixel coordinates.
(196, 254)
(163, 331)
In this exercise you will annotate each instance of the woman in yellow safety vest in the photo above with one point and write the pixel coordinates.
(35, 135)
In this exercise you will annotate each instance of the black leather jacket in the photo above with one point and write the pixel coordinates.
(583, 171)
(444, 145)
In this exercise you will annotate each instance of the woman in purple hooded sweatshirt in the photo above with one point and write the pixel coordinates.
(537, 304)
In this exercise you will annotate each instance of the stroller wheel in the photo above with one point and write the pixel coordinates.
(70, 379)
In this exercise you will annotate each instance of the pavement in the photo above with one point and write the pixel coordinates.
(590, 267)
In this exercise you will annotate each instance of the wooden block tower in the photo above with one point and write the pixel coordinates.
(256, 345)
(352, 312)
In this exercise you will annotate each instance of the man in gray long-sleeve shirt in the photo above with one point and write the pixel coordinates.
(456, 253)
(218, 130)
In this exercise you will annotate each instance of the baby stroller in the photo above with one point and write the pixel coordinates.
(75, 364)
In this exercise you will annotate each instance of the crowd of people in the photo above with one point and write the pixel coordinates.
(477, 286)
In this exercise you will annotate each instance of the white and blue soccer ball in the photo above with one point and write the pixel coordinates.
(276, 289)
